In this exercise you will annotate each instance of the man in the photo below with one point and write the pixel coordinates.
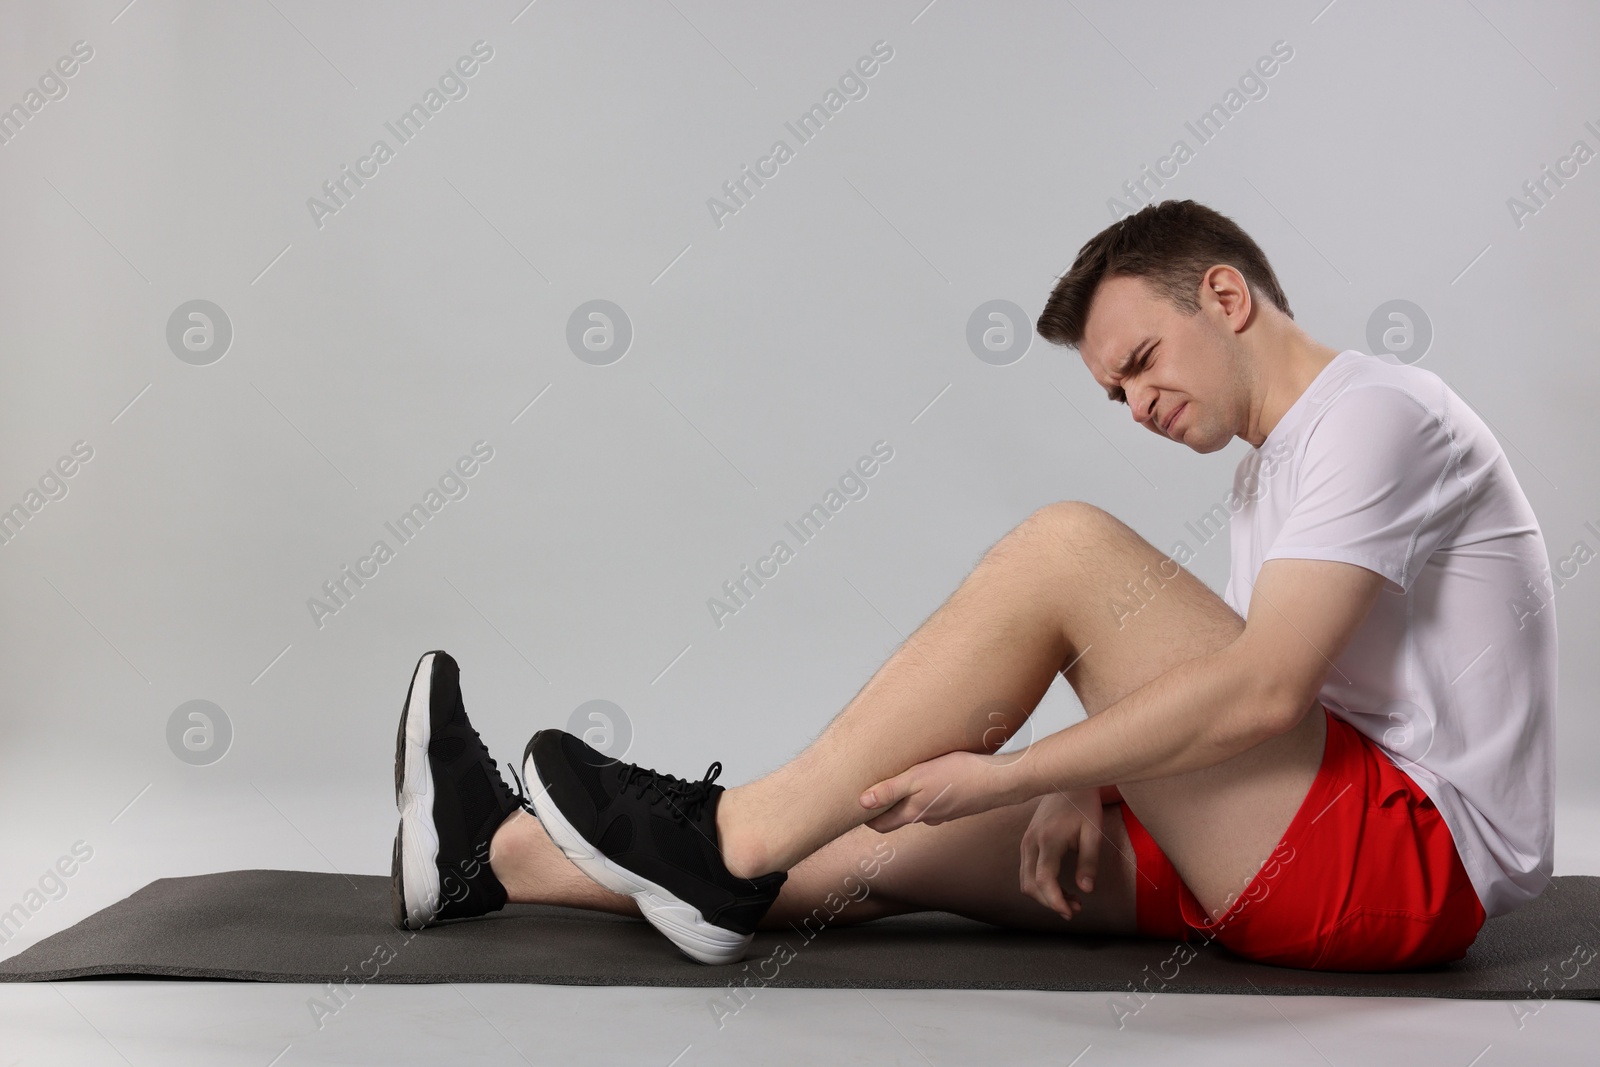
(1344, 763)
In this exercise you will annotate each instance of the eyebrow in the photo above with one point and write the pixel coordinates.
(1122, 368)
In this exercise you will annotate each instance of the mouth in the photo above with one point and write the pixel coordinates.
(1173, 418)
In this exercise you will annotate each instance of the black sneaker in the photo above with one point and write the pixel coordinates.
(651, 836)
(451, 799)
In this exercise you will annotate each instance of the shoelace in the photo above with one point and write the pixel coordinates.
(686, 799)
(522, 793)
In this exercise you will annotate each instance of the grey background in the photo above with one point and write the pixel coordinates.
(768, 355)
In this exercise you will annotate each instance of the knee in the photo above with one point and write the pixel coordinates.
(1069, 513)
(1063, 520)
(1060, 538)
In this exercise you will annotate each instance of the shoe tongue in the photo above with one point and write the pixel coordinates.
(696, 801)
(708, 807)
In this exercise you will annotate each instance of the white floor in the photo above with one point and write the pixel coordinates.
(227, 1024)
(267, 1025)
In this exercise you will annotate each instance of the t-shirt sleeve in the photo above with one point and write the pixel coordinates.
(1380, 486)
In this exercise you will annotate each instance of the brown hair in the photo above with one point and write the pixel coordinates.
(1171, 245)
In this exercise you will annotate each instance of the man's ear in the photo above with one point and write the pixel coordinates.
(1227, 287)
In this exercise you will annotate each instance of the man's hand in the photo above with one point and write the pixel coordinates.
(1062, 823)
(947, 787)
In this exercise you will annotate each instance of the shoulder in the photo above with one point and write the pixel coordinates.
(1383, 403)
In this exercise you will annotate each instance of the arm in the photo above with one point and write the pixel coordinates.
(1303, 613)
(1206, 710)
(1380, 488)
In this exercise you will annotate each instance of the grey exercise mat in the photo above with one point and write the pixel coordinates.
(300, 926)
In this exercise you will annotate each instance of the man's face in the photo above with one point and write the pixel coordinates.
(1163, 363)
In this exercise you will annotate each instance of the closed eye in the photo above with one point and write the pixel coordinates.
(1116, 393)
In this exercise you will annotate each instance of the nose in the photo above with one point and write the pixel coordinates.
(1144, 408)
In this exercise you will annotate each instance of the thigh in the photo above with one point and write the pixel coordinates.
(970, 866)
(1135, 613)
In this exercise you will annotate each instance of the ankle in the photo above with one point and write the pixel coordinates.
(512, 853)
(744, 848)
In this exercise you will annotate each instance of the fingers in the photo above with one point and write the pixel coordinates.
(892, 819)
(1048, 878)
(907, 803)
(889, 795)
(1088, 855)
(1041, 878)
(884, 794)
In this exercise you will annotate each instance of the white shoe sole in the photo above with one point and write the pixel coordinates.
(419, 840)
(681, 922)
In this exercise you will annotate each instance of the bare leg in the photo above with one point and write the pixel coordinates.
(1217, 825)
(965, 680)
(534, 870)
(969, 867)
(1043, 600)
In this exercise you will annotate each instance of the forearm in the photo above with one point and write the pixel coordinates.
(1196, 715)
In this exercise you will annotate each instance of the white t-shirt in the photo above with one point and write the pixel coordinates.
(1453, 674)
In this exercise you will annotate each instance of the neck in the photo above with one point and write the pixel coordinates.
(1285, 367)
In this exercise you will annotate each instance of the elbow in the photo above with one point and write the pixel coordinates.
(1278, 698)
(1271, 701)
(1283, 709)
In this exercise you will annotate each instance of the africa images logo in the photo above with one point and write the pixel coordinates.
(852, 85)
(852, 485)
(342, 587)
(453, 85)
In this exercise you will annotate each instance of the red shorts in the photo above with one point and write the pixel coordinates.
(1366, 877)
